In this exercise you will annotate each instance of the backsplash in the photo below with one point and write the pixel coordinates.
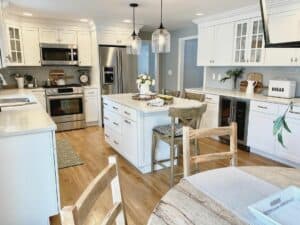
(41, 73)
(269, 73)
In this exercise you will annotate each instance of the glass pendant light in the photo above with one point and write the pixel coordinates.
(161, 38)
(135, 42)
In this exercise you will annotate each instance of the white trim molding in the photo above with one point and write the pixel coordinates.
(180, 71)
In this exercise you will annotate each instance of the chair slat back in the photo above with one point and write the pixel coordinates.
(194, 96)
(77, 214)
(193, 134)
(190, 117)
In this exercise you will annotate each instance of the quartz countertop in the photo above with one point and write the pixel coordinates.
(126, 99)
(22, 120)
(243, 95)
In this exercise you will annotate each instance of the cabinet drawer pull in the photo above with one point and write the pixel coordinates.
(105, 104)
(127, 113)
(115, 108)
(262, 107)
(106, 118)
(117, 143)
(107, 136)
(128, 122)
(292, 59)
(115, 123)
(207, 98)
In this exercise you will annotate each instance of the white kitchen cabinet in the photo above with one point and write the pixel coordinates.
(129, 140)
(29, 169)
(57, 36)
(15, 55)
(112, 37)
(205, 45)
(210, 118)
(280, 31)
(32, 56)
(50, 36)
(91, 105)
(84, 49)
(249, 43)
(67, 37)
(211, 47)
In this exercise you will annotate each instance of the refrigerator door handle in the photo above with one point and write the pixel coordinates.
(120, 66)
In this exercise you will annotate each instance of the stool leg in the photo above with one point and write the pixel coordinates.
(153, 152)
(171, 165)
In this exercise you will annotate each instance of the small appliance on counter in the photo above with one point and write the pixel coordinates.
(282, 88)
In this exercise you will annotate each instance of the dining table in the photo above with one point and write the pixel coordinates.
(222, 196)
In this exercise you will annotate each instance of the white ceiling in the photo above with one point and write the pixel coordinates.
(177, 13)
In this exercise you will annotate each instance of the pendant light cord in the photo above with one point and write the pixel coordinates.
(133, 20)
(161, 15)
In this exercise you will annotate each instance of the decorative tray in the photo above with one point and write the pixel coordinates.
(282, 208)
(140, 97)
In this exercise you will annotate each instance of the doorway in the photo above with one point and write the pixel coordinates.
(189, 74)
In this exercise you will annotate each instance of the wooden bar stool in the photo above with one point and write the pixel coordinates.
(78, 213)
(194, 134)
(172, 134)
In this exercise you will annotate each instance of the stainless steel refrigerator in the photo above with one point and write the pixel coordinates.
(118, 70)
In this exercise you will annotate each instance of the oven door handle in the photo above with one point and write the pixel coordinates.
(64, 97)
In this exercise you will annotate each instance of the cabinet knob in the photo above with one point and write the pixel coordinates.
(292, 59)
(296, 59)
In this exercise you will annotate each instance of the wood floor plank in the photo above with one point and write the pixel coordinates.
(141, 192)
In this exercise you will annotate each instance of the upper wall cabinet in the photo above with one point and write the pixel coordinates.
(54, 36)
(15, 51)
(280, 29)
(84, 49)
(31, 46)
(211, 47)
(249, 43)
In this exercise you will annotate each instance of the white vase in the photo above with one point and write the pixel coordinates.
(144, 89)
(20, 82)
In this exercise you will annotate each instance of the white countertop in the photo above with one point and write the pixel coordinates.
(126, 99)
(24, 119)
(243, 95)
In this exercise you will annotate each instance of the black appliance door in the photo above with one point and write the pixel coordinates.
(65, 106)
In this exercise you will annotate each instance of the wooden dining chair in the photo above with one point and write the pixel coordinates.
(172, 134)
(195, 134)
(78, 213)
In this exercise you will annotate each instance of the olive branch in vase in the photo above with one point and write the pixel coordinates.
(281, 125)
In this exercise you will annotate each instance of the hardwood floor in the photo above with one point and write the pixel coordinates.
(141, 192)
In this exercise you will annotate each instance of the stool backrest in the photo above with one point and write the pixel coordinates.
(190, 117)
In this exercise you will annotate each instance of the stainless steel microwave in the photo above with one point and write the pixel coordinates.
(59, 54)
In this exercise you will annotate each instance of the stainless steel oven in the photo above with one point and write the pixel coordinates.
(66, 107)
(59, 54)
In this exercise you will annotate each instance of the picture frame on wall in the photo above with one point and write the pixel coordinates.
(265, 20)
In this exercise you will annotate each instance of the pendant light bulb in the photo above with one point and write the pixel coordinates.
(161, 38)
(135, 42)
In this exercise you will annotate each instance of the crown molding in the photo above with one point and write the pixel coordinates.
(247, 12)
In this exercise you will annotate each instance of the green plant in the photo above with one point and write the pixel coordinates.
(280, 125)
(233, 74)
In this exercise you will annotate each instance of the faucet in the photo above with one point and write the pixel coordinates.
(2, 81)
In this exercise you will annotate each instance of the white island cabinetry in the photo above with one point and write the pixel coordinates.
(128, 128)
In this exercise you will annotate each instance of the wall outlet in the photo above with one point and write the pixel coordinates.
(170, 73)
(214, 76)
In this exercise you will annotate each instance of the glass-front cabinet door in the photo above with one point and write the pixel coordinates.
(15, 56)
(249, 42)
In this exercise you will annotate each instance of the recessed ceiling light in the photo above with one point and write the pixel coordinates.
(27, 14)
(84, 20)
(126, 21)
(199, 14)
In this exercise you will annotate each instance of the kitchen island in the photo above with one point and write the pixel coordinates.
(30, 189)
(128, 127)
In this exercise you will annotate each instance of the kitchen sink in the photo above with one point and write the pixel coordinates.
(14, 100)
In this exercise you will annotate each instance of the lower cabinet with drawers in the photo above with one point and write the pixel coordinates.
(260, 132)
(129, 132)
